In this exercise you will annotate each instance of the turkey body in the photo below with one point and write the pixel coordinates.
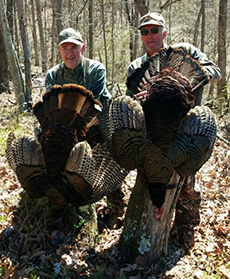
(61, 164)
(84, 151)
(179, 135)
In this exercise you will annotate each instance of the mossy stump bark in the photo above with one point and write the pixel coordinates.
(143, 234)
(89, 230)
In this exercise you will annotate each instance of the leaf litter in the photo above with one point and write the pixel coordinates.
(25, 227)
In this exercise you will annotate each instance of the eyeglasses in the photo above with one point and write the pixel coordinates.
(153, 30)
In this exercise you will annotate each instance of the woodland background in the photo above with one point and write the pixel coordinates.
(28, 47)
(29, 43)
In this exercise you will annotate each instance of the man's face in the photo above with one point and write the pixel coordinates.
(152, 41)
(71, 54)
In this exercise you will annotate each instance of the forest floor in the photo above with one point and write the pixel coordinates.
(26, 250)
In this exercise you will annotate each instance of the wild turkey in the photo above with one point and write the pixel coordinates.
(61, 164)
(85, 151)
(180, 135)
(165, 135)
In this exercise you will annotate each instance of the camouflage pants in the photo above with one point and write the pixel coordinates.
(116, 207)
(187, 213)
(116, 202)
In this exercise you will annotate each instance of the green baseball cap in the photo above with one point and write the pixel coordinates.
(152, 19)
(70, 35)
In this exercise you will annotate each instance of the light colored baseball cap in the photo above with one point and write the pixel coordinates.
(152, 18)
(70, 35)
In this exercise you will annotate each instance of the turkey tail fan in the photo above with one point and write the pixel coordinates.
(25, 157)
(64, 104)
(122, 127)
(65, 116)
(175, 58)
(139, 77)
(90, 174)
(192, 145)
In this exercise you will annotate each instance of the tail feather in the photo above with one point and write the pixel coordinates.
(123, 113)
(64, 103)
(192, 145)
(91, 174)
(23, 151)
(175, 58)
(25, 157)
(65, 116)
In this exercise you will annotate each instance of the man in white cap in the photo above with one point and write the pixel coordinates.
(75, 68)
(153, 33)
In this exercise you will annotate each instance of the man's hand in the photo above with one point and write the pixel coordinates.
(140, 96)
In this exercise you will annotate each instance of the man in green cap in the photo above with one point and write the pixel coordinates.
(75, 68)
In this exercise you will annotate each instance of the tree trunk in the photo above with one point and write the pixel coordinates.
(45, 20)
(143, 234)
(113, 47)
(34, 32)
(202, 26)
(89, 231)
(131, 43)
(136, 32)
(91, 29)
(54, 57)
(169, 32)
(42, 39)
(15, 33)
(142, 7)
(10, 16)
(12, 58)
(4, 74)
(26, 51)
(59, 15)
(104, 34)
(197, 24)
(222, 46)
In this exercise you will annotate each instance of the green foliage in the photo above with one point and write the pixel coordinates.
(225, 94)
(80, 224)
(161, 263)
(225, 90)
(212, 276)
(3, 218)
(3, 138)
(100, 274)
(34, 275)
(11, 122)
(2, 271)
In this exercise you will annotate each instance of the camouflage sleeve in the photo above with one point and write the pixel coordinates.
(51, 77)
(212, 69)
(132, 66)
(129, 72)
(48, 81)
(97, 82)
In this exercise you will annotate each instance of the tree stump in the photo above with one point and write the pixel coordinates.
(89, 230)
(143, 234)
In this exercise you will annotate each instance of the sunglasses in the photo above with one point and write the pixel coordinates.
(153, 30)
